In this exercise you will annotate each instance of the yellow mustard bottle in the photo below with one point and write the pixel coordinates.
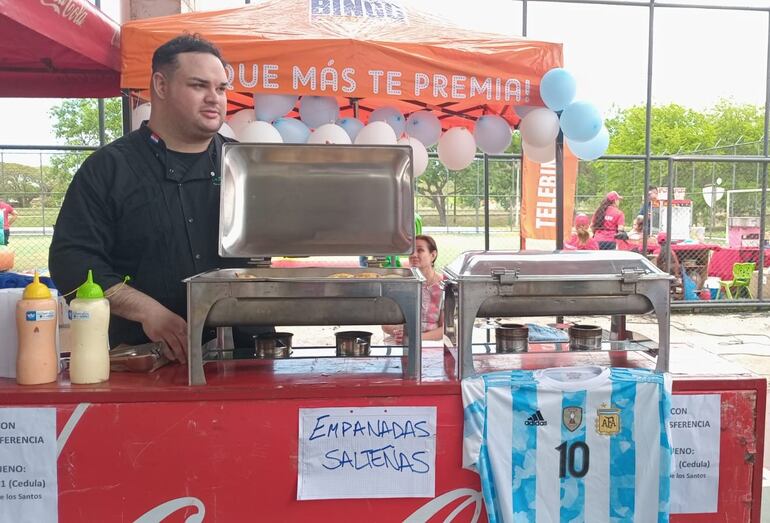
(36, 359)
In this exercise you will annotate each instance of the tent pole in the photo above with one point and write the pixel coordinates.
(560, 191)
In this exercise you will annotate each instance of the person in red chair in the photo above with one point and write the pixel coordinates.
(581, 239)
(661, 260)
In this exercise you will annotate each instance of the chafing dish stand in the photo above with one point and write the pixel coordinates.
(310, 200)
(487, 284)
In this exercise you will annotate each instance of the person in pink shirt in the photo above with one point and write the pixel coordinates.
(608, 221)
(581, 239)
(9, 216)
(432, 307)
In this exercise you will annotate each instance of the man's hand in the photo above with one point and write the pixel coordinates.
(160, 324)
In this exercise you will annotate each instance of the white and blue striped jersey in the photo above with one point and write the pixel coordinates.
(573, 444)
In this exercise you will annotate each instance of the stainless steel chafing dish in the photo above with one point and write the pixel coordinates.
(306, 200)
(485, 284)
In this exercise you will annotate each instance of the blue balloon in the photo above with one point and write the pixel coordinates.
(592, 149)
(557, 88)
(581, 121)
(352, 126)
(292, 130)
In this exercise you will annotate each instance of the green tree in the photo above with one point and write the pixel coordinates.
(76, 121)
(24, 185)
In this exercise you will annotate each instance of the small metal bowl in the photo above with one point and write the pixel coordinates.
(585, 337)
(511, 337)
(353, 343)
(273, 345)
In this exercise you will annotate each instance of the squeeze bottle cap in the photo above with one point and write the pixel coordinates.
(36, 290)
(89, 290)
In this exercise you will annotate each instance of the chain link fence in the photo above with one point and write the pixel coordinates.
(716, 208)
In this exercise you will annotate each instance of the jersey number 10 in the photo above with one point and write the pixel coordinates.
(567, 459)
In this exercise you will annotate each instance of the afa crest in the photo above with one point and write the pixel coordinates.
(607, 421)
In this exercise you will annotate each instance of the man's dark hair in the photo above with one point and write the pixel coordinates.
(164, 59)
(651, 188)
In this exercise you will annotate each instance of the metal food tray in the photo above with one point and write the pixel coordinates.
(316, 200)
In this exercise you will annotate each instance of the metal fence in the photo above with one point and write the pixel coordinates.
(715, 221)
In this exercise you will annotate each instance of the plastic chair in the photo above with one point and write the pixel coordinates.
(741, 278)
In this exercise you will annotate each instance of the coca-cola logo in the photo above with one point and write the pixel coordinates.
(71, 10)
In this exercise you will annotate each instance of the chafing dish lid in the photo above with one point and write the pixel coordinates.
(316, 200)
(554, 264)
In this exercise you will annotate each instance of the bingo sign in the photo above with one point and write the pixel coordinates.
(371, 452)
(357, 9)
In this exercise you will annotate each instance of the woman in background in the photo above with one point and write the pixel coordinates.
(582, 240)
(431, 309)
(608, 221)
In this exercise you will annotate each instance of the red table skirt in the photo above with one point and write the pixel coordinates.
(722, 261)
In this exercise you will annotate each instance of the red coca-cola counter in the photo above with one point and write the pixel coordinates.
(148, 447)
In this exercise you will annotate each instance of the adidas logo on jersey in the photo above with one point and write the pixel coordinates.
(535, 419)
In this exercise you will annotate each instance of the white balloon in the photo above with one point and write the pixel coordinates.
(227, 131)
(391, 116)
(329, 133)
(241, 119)
(318, 110)
(268, 107)
(492, 134)
(259, 132)
(352, 126)
(140, 114)
(376, 133)
(456, 148)
(539, 127)
(545, 154)
(419, 154)
(424, 126)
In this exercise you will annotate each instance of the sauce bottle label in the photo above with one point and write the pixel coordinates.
(40, 315)
(78, 315)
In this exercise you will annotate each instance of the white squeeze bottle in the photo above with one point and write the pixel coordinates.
(90, 320)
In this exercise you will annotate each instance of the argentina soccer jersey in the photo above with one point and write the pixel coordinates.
(578, 444)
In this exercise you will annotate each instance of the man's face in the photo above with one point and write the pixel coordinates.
(196, 94)
(653, 194)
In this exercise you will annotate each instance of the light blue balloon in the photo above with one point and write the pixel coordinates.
(592, 149)
(392, 117)
(581, 121)
(492, 134)
(352, 126)
(292, 130)
(425, 126)
(557, 88)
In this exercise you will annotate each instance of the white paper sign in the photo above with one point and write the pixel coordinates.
(695, 425)
(28, 481)
(369, 452)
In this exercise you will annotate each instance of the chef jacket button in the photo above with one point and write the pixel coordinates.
(212, 173)
(190, 220)
(197, 256)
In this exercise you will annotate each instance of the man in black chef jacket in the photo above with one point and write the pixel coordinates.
(147, 204)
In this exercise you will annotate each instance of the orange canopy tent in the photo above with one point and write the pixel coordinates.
(375, 51)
